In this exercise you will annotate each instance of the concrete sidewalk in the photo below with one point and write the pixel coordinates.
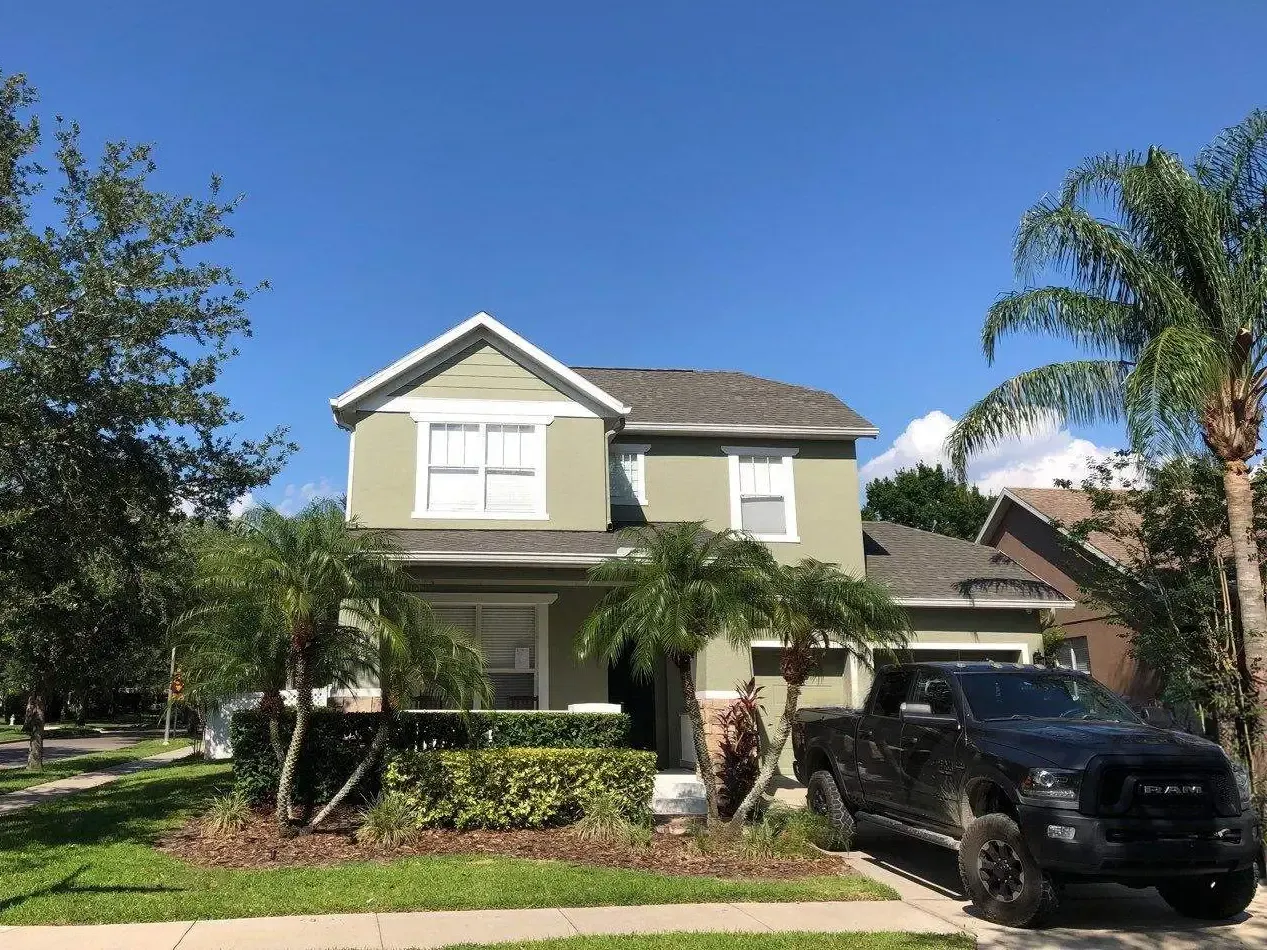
(37, 794)
(431, 929)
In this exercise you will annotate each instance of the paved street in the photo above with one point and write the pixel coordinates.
(13, 754)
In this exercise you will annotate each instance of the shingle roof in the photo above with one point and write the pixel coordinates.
(1068, 506)
(920, 565)
(720, 397)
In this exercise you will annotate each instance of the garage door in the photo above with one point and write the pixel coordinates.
(967, 654)
(826, 687)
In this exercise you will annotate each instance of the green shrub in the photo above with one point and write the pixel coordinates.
(603, 819)
(337, 741)
(226, 814)
(519, 788)
(388, 822)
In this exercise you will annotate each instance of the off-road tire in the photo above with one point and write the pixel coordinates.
(822, 795)
(1213, 896)
(1036, 899)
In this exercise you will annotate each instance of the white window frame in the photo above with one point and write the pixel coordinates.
(640, 452)
(542, 603)
(424, 422)
(785, 455)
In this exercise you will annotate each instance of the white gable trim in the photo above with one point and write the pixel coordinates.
(470, 328)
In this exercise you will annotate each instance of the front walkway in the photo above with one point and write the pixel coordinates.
(38, 794)
(443, 928)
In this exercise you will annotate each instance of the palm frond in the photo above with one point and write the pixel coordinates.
(1100, 325)
(1078, 392)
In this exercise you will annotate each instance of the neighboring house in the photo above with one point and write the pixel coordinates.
(504, 475)
(1030, 526)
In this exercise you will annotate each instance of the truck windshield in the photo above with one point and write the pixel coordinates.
(1041, 695)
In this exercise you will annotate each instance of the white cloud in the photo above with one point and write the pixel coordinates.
(1033, 461)
(240, 505)
(295, 497)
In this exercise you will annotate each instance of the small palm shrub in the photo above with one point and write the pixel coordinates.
(603, 819)
(226, 814)
(800, 831)
(388, 822)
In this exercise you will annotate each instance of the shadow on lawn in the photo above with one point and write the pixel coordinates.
(67, 885)
(134, 810)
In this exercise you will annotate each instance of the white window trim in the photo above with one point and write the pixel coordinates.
(542, 603)
(424, 422)
(624, 448)
(733, 452)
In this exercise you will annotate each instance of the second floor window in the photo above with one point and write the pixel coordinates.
(627, 470)
(762, 499)
(480, 468)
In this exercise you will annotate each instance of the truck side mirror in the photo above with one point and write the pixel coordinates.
(916, 709)
(1159, 716)
(923, 712)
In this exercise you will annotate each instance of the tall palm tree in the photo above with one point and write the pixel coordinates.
(414, 655)
(810, 607)
(1169, 299)
(681, 588)
(329, 582)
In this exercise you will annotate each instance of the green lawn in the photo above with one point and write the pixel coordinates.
(731, 941)
(11, 780)
(87, 859)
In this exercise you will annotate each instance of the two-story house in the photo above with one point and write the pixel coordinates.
(504, 475)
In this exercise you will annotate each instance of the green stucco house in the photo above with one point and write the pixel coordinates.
(505, 474)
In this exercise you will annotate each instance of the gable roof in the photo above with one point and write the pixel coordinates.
(692, 400)
(482, 326)
(931, 570)
(685, 401)
(1060, 508)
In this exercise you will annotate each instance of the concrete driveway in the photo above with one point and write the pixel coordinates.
(13, 754)
(1099, 916)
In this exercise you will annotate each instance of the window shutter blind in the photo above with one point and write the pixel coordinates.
(461, 616)
(502, 629)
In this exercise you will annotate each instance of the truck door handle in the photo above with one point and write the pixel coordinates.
(866, 734)
(910, 740)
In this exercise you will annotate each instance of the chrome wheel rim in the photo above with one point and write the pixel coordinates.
(1001, 871)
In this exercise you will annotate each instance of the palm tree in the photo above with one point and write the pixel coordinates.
(329, 582)
(1169, 299)
(681, 588)
(414, 655)
(809, 607)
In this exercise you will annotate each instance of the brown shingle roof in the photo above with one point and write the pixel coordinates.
(920, 565)
(1068, 506)
(720, 397)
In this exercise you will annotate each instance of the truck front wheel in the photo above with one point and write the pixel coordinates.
(1211, 897)
(1001, 876)
(822, 794)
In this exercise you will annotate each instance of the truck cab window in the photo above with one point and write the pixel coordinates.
(934, 689)
(890, 692)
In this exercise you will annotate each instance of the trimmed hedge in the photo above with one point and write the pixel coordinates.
(518, 788)
(337, 741)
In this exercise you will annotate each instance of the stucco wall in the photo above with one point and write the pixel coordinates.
(688, 479)
(1034, 545)
(385, 465)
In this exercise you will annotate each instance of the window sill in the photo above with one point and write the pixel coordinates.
(776, 538)
(481, 515)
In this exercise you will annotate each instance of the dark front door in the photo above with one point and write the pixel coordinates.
(637, 698)
(879, 746)
(928, 753)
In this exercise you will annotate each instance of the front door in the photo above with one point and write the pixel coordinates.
(879, 746)
(929, 752)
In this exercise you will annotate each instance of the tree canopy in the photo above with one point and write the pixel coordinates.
(930, 498)
(114, 330)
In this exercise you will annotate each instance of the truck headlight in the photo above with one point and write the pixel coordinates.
(1061, 787)
(1241, 774)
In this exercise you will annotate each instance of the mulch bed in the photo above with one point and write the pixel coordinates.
(257, 846)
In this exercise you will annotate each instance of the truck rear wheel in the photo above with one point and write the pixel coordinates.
(822, 794)
(1001, 876)
(1211, 897)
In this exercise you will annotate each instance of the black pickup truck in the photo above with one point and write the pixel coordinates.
(1035, 776)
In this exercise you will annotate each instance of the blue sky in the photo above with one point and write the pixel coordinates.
(820, 192)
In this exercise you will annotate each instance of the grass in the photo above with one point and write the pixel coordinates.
(12, 780)
(733, 941)
(88, 859)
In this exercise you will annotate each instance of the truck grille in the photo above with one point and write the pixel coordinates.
(1133, 791)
